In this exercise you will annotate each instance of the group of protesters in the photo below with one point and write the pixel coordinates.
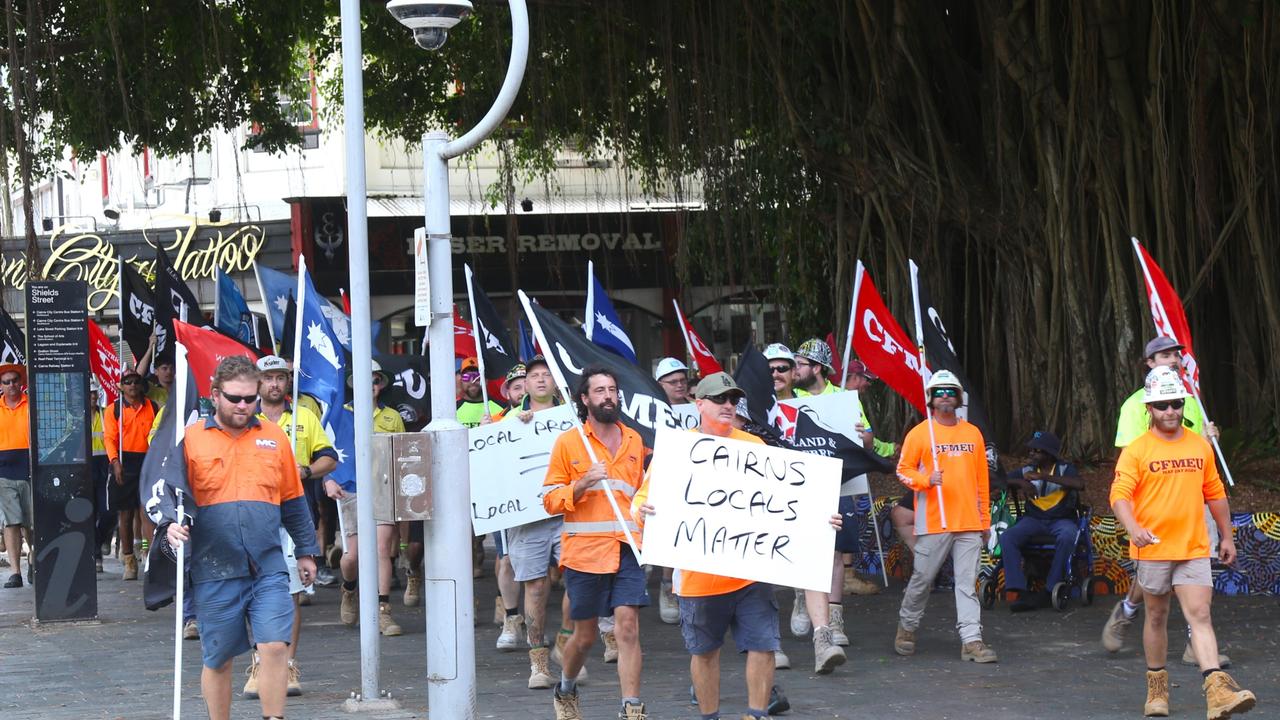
(261, 494)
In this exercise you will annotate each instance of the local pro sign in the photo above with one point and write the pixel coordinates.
(509, 460)
(741, 509)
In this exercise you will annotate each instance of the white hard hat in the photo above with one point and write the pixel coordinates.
(1163, 383)
(778, 351)
(668, 365)
(943, 378)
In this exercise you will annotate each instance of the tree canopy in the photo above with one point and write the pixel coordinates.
(1009, 147)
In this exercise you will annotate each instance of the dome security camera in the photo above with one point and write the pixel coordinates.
(429, 20)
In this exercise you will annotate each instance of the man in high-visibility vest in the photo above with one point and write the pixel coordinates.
(126, 431)
(15, 466)
(601, 574)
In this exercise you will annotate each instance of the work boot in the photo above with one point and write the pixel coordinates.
(978, 651)
(130, 567)
(904, 643)
(251, 679)
(610, 647)
(835, 621)
(1113, 632)
(349, 607)
(509, 639)
(781, 661)
(1224, 697)
(412, 590)
(1157, 694)
(387, 624)
(566, 704)
(499, 611)
(295, 680)
(557, 656)
(190, 630)
(14, 581)
(855, 585)
(827, 656)
(632, 711)
(1189, 658)
(540, 676)
(668, 605)
(800, 623)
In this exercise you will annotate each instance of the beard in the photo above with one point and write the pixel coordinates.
(230, 419)
(606, 414)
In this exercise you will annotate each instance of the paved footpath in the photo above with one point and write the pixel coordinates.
(1051, 665)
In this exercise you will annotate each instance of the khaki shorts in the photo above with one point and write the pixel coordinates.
(347, 511)
(1158, 577)
(15, 502)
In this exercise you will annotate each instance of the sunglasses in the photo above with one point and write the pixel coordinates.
(11, 381)
(945, 392)
(1163, 406)
(238, 399)
(722, 398)
(779, 369)
(470, 377)
(130, 381)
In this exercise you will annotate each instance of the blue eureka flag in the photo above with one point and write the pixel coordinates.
(321, 362)
(342, 433)
(602, 326)
(232, 315)
(276, 289)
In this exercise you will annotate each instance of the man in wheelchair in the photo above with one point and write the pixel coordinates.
(1050, 488)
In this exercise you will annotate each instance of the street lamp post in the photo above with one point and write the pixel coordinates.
(449, 596)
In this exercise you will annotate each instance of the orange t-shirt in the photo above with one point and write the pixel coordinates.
(1168, 482)
(962, 457)
(687, 582)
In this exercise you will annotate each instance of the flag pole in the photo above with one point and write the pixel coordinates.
(589, 322)
(853, 311)
(554, 365)
(475, 336)
(928, 409)
(1154, 299)
(179, 425)
(120, 418)
(266, 309)
(684, 330)
(297, 343)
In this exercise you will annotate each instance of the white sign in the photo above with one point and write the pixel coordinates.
(421, 280)
(741, 509)
(509, 461)
(840, 412)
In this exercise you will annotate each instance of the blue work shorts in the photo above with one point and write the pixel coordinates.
(226, 609)
(593, 595)
(750, 612)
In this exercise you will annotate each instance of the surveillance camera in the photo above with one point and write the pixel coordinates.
(429, 20)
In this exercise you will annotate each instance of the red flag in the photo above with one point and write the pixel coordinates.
(464, 343)
(882, 345)
(104, 361)
(205, 349)
(1168, 315)
(346, 302)
(835, 355)
(706, 362)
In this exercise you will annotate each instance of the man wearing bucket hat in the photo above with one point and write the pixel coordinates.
(15, 466)
(1051, 488)
(1163, 480)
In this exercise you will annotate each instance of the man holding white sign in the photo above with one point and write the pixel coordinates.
(944, 461)
(712, 472)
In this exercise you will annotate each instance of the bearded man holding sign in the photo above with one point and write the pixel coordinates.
(712, 604)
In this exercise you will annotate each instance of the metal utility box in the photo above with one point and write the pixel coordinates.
(401, 476)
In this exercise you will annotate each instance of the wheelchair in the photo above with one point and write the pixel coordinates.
(1078, 581)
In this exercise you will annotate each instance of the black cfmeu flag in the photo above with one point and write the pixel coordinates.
(499, 352)
(174, 301)
(756, 381)
(138, 311)
(643, 403)
(164, 475)
(410, 391)
(940, 354)
(290, 327)
(13, 343)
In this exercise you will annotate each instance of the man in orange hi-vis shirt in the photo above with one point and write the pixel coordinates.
(951, 456)
(1163, 480)
(601, 575)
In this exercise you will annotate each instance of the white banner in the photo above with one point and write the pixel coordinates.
(509, 461)
(741, 509)
(840, 412)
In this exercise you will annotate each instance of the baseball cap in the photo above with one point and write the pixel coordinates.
(720, 383)
(469, 364)
(1160, 344)
(668, 365)
(516, 372)
(537, 360)
(273, 363)
(857, 367)
(1046, 441)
